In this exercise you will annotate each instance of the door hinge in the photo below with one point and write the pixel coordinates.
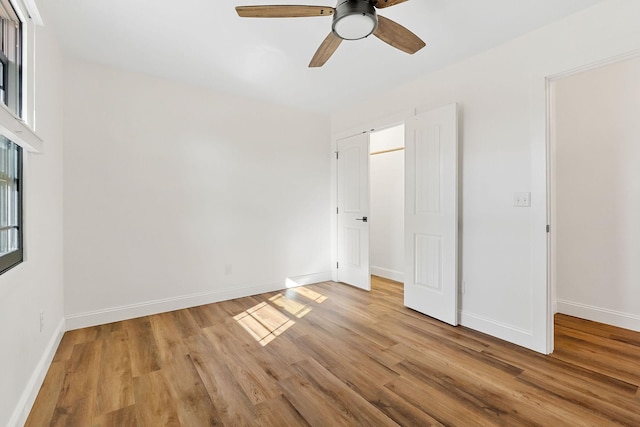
(337, 211)
(548, 228)
(337, 265)
(337, 155)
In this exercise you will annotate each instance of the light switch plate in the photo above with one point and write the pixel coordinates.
(522, 200)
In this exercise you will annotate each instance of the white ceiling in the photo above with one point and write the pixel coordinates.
(204, 42)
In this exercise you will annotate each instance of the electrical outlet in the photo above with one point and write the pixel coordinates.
(522, 200)
(41, 320)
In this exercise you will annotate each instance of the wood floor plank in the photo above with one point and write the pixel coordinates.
(330, 354)
(143, 349)
(572, 371)
(279, 412)
(194, 407)
(624, 370)
(185, 323)
(603, 345)
(444, 408)
(310, 403)
(208, 315)
(598, 329)
(115, 380)
(70, 339)
(168, 339)
(505, 399)
(319, 396)
(119, 418)
(77, 414)
(154, 403)
(400, 410)
(609, 412)
(45, 404)
(464, 383)
(286, 351)
(257, 383)
(81, 379)
(229, 399)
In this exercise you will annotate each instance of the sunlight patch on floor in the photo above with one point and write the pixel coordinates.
(311, 294)
(291, 306)
(263, 322)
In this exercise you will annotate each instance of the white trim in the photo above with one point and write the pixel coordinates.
(30, 392)
(599, 314)
(333, 205)
(34, 13)
(538, 281)
(131, 311)
(551, 214)
(398, 276)
(18, 131)
(595, 65)
(307, 279)
(504, 331)
(376, 125)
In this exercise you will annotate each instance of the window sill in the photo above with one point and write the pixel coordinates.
(15, 129)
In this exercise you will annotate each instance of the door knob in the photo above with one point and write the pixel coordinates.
(363, 219)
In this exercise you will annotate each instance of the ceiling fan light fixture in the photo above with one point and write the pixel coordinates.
(354, 19)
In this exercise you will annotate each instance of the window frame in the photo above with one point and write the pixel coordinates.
(18, 123)
(12, 28)
(15, 257)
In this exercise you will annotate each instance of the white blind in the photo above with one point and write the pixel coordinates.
(7, 12)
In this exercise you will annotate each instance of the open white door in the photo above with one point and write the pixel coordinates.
(353, 211)
(431, 214)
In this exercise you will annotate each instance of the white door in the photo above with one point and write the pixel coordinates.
(353, 211)
(431, 214)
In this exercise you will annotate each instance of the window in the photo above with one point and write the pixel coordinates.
(10, 153)
(10, 204)
(10, 58)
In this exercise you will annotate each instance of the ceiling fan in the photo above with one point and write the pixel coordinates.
(352, 20)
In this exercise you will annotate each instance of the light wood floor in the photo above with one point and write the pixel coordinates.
(332, 355)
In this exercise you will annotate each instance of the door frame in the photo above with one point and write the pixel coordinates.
(367, 127)
(551, 166)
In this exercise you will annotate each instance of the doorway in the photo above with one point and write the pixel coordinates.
(430, 214)
(595, 194)
(386, 171)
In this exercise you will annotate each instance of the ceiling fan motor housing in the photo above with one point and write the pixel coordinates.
(354, 19)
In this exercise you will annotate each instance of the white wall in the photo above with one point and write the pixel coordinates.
(387, 204)
(502, 95)
(177, 196)
(598, 194)
(36, 284)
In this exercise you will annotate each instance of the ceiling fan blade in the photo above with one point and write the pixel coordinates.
(398, 36)
(275, 11)
(381, 4)
(326, 49)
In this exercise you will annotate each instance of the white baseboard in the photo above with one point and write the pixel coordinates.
(599, 314)
(398, 276)
(147, 308)
(504, 331)
(28, 397)
(308, 279)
